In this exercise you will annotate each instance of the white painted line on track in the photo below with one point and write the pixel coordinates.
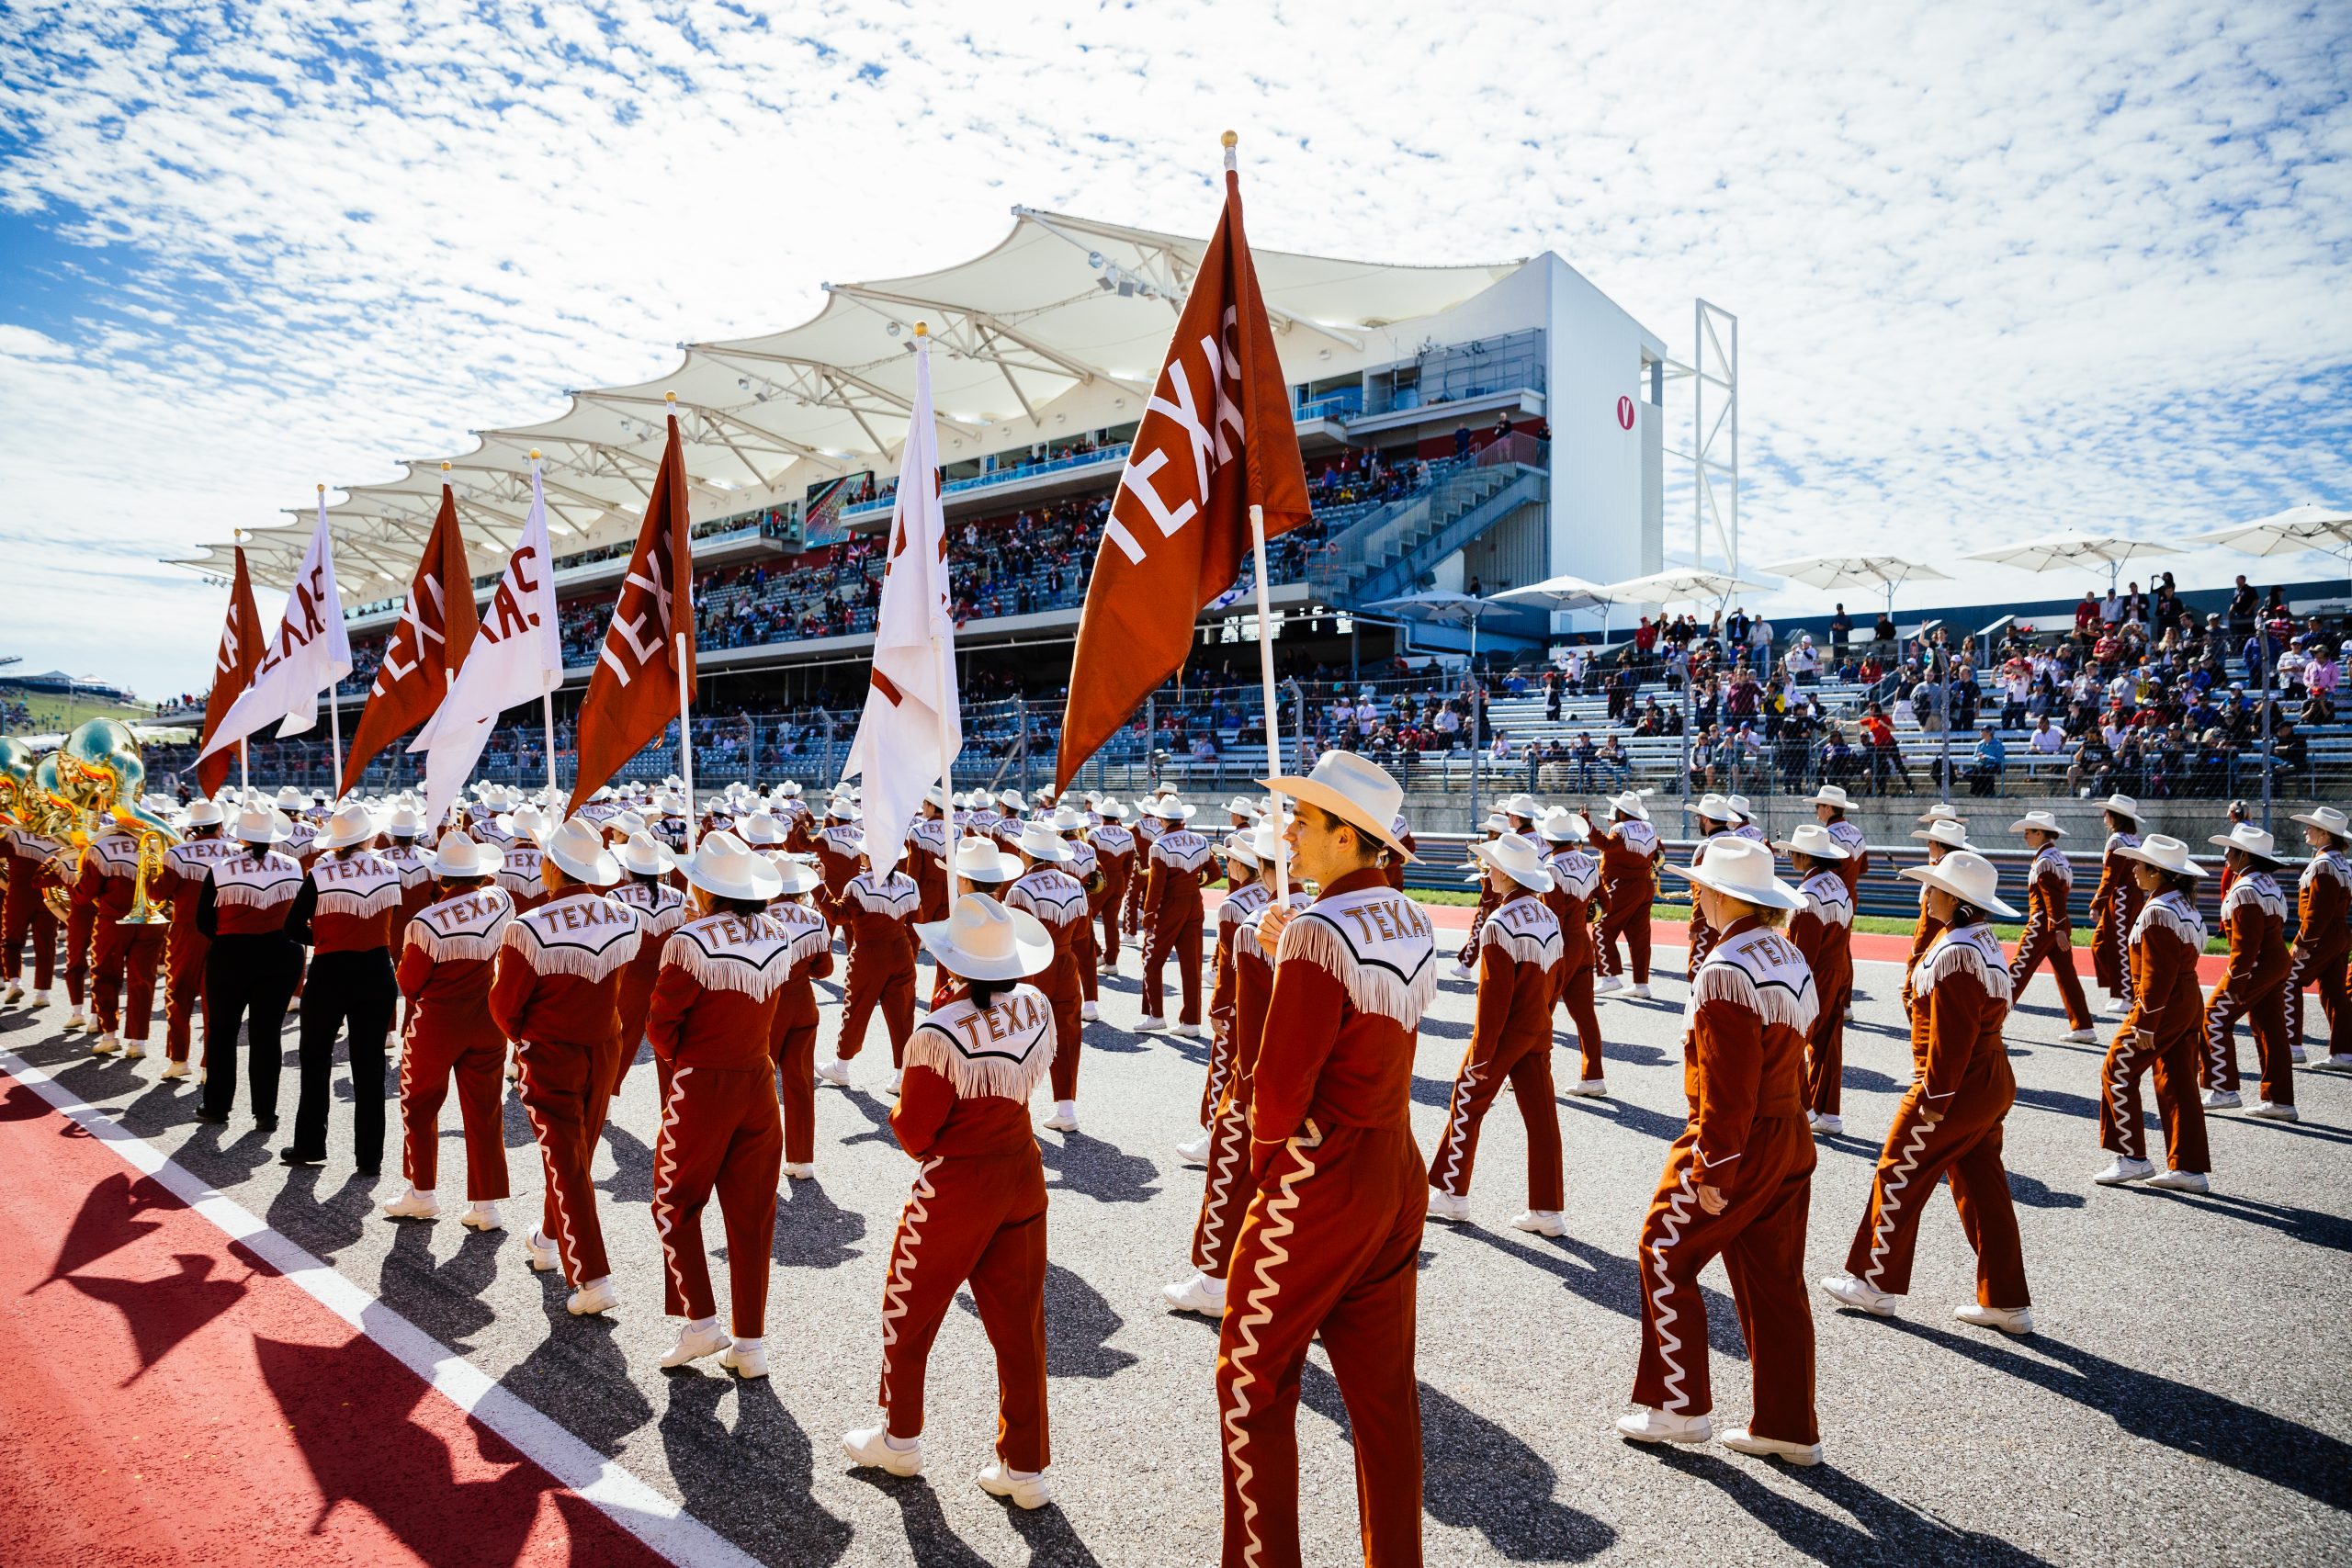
(637, 1508)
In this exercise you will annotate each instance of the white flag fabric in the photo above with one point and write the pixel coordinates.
(517, 658)
(913, 727)
(310, 652)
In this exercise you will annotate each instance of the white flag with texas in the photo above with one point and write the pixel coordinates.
(517, 658)
(309, 655)
(913, 727)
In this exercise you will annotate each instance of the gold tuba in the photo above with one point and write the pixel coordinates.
(102, 772)
(17, 760)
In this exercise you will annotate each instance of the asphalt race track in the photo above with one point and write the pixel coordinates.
(2187, 1400)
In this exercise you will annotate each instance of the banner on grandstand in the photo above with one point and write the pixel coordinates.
(427, 647)
(822, 519)
(913, 727)
(1216, 438)
(517, 658)
(233, 672)
(310, 654)
(645, 674)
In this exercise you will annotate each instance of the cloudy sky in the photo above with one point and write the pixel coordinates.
(1997, 273)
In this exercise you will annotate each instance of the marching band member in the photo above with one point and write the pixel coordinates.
(1744, 820)
(407, 851)
(1246, 891)
(879, 914)
(1176, 868)
(927, 843)
(121, 955)
(1148, 826)
(723, 975)
(1716, 819)
(794, 910)
(1943, 835)
(25, 914)
(2254, 917)
(185, 864)
(2164, 1028)
(984, 871)
(1575, 877)
(345, 913)
(1058, 901)
(1084, 867)
(301, 833)
(1738, 1181)
(2115, 903)
(799, 822)
(81, 937)
(1829, 808)
(1331, 1241)
(646, 865)
(1495, 827)
(978, 1211)
(2049, 927)
(1394, 870)
(518, 872)
(1949, 1122)
(251, 966)
(840, 851)
(1114, 851)
(555, 993)
(2322, 938)
(449, 950)
(1522, 967)
(1822, 929)
(1013, 811)
(1630, 857)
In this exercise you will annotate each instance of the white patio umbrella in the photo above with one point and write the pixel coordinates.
(2073, 549)
(1446, 607)
(1889, 572)
(1562, 594)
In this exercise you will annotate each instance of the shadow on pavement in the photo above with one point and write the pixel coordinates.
(814, 1231)
(1101, 1171)
(1889, 1532)
(752, 1483)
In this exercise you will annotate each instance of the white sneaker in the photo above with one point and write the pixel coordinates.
(2124, 1170)
(15, 991)
(2181, 1181)
(2115, 1008)
(174, 1069)
(543, 1253)
(2222, 1099)
(75, 1022)
(413, 1205)
(2008, 1320)
(482, 1217)
(1064, 1119)
(1460, 971)
(1607, 984)
(132, 1050)
(2270, 1111)
(1024, 1491)
(800, 1172)
(746, 1358)
(2086, 1035)
(2338, 1060)
(1200, 1293)
(1639, 993)
(869, 1446)
(1087, 1013)
(2295, 1054)
(1644, 1425)
(41, 998)
(1444, 1205)
(836, 1072)
(694, 1344)
(104, 1044)
(1741, 1440)
(1543, 1222)
(1828, 1126)
(1148, 1024)
(1852, 1293)
(890, 1084)
(1592, 1089)
(1194, 1152)
(592, 1298)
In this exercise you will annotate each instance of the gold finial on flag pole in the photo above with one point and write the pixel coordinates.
(445, 465)
(1228, 140)
(922, 329)
(671, 400)
(535, 453)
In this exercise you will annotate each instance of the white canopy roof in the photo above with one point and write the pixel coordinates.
(1057, 329)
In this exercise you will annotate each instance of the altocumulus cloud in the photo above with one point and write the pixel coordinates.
(1997, 271)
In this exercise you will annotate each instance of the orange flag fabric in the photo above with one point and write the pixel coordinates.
(428, 644)
(233, 672)
(634, 693)
(1216, 438)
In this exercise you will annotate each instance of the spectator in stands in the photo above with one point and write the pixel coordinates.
(2092, 768)
(1582, 753)
(1886, 756)
(1461, 440)
(1615, 763)
(2086, 620)
(1841, 629)
(1804, 663)
(1884, 632)
(1991, 762)
(2045, 742)
(2242, 600)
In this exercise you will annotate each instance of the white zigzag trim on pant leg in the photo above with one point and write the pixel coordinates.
(408, 1165)
(1663, 1316)
(2021, 966)
(2296, 975)
(2221, 1022)
(1220, 1184)
(1457, 1128)
(665, 1166)
(554, 1189)
(1891, 1199)
(2127, 1127)
(2122, 940)
(912, 1219)
(1257, 1311)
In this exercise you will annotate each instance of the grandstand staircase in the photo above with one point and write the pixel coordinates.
(1389, 549)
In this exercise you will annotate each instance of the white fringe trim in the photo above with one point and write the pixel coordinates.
(2329, 864)
(897, 900)
(990, 1075)
(1540, 948)
(360, 906)
(1722, 981)
(2173, 916)
(458, 947)
(1372, 988)
(547, 957)
(1965, 954)
(245, 896)
(2258, 890)
(730, 969)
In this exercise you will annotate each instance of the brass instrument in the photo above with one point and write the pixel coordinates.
(17, 760)
(95, 781)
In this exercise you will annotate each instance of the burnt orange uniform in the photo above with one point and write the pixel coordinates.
(1575, 877)
(1115, 851)
(448, 952)
(123, 957)
(186, 865)
(1237, 905)
(1058, 902)
(2167, 1003)
(2050, 933)
(1824, 933)
(927, 845)
(1394, 872)
(879, 916)
(2323, 903)
(2114, 914)
(1085, 868)
(1231, 1184)
(25, 913)
(1630, 851)
(518, 874)
(2254, 916)
(794, 1050)
(661, 910)
(1520, 969)
(1176, 867)
(1703, 935)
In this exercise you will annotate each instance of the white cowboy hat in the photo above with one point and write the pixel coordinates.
(1742, 869)
(1011, 800)
(291, 799)
(1110, 811)
(1712, 807)
(2247, 838)
(790, 787)
(1831, 794)
(1171, 810)
(2122, 805)
(934, 796)
(723, 864)
(2327, 818)
(259, 825)
(530, 822)
(2166, 854)
(1967, 877)
(1238, 807)
(1069, 820)
(799, 872)
(1522, 806)
(1812, 838)
(351, 824)
(642, 854)
(1742, 807)
(1518, 860)
(1562, 826)
(980, 860)
(1159, 789)
(669, 804)
(1039, 841)
(457, 855)
(760, 831)
(1949, 832)
(982, 940)
(628, 824)
(1237, 846)
(404, 822)
(2038, 822)
(842, 810)
(578, 850)
(1354, 789)
(1941, 811)
(204, 814)
(1629, 805)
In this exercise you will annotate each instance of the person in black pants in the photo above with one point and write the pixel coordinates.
(251, 967)
(345, 913)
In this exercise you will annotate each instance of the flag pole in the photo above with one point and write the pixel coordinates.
(939, 653)
(546, 711)
(335, 709)
(1274, 711)
(685, 737)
